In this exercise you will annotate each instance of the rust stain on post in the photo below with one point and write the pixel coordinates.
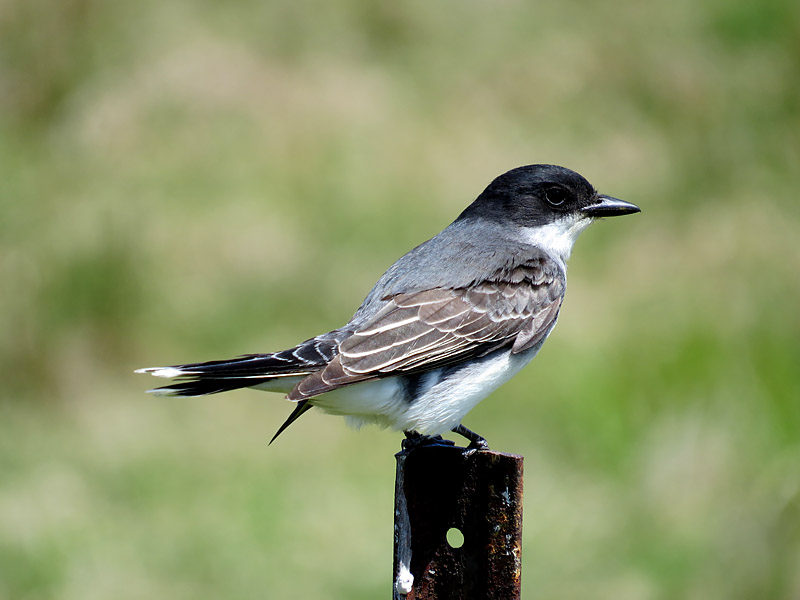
(480, 494)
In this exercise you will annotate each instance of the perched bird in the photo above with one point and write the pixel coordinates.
(444, 326)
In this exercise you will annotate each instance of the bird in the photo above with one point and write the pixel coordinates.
(444, 326)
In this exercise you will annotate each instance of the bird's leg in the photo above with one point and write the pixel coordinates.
(414, 439)
(476, 442)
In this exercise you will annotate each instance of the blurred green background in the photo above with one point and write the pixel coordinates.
(179, 179)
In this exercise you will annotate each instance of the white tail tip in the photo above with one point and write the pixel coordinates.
(163, 392)
(165, 372)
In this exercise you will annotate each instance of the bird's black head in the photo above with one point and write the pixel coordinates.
(540, 194)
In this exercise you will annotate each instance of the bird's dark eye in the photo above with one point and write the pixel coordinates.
(555, 194)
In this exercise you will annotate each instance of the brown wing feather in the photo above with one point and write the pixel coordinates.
(432, 328)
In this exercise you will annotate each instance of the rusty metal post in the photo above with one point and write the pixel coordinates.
(478, 493)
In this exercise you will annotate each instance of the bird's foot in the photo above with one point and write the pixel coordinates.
(476, 442)
(417, 440)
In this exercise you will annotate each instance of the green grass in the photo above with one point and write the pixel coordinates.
(177, 180)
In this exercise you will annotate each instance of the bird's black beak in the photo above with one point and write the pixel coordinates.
(606, 206)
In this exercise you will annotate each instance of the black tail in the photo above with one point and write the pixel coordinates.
(286, 367)
(200, 379)
(200, 386)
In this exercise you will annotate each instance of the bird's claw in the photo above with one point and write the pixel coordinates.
(417, 440)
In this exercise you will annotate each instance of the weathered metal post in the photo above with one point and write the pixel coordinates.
(479, 493)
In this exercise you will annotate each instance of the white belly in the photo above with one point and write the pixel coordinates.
(442, 404)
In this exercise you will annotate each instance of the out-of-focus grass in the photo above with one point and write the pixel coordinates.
(180, 180)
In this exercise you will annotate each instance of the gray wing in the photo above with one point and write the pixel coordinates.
(424, 330)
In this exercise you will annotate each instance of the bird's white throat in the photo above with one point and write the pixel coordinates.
(558, 237)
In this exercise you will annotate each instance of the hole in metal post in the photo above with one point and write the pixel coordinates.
(455, 538)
